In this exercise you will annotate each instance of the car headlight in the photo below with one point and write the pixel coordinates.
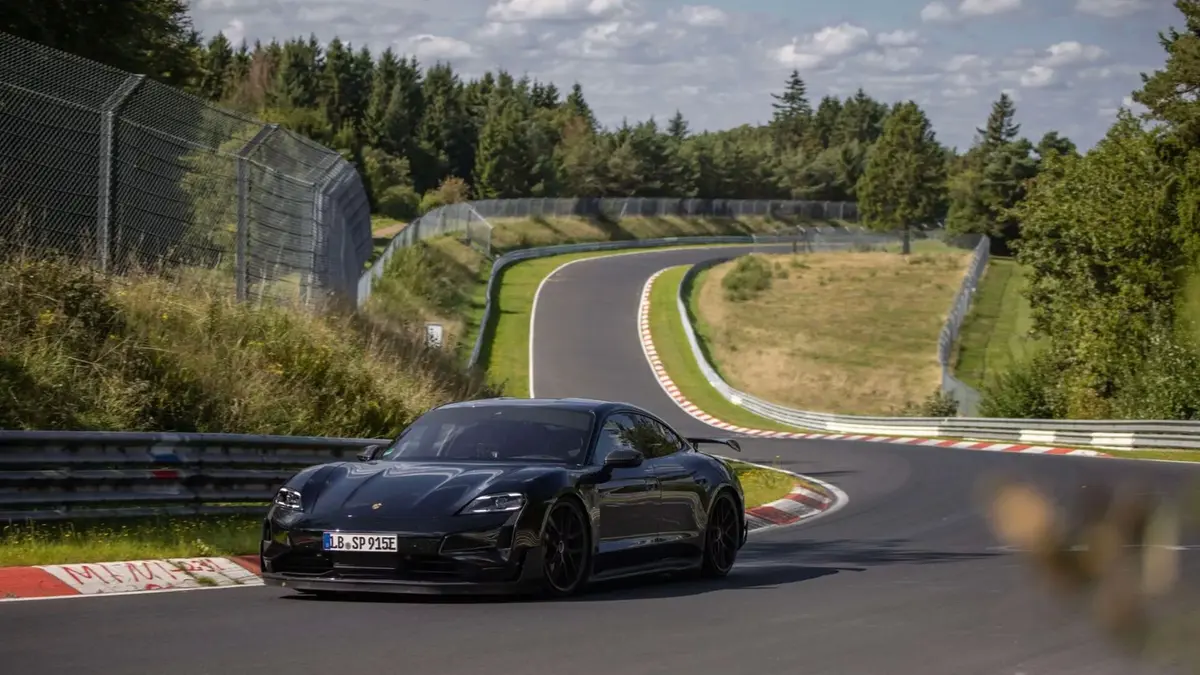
(288, 498)
(497, 503)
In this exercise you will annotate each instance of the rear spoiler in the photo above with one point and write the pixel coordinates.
(731, 442)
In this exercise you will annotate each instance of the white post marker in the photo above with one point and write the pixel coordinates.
(433, 335)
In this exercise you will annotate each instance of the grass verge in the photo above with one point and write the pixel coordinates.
(995, 333)
(790, 328)
(666, 329)
(81, 351)
(133, 539)
(761, 486)
(443, 280)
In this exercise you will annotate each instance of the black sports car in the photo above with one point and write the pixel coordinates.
(508, 495)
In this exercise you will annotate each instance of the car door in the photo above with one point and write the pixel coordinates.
(682, 496)
(628, 502)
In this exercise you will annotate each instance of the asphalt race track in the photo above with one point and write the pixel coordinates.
(905, 579)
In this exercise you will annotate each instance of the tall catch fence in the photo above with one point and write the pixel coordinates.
(473, 220)
(113, 169)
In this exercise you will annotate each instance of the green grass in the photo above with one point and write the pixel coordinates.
(506, 355)
(995, 333)
(133, 539)
(80, 351)
(762, 486)
(666, 329)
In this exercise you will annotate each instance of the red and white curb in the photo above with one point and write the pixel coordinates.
(660, 372)
(802, 503)
(123, 578)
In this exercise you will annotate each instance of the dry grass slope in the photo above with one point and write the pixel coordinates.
(146, 353)
(852, 333)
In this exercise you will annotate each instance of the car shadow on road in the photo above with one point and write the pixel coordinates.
(665, 585)
(859, 552)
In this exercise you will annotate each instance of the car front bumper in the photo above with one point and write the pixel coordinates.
(526, 580)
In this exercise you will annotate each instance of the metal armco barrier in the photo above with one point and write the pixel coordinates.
(1115, 434)
(61, 475)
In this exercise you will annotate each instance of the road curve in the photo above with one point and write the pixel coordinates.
(905, 579)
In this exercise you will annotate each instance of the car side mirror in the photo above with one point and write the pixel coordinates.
(368, 453)
(623, 458)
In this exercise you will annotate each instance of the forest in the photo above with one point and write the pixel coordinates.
(1109, 236)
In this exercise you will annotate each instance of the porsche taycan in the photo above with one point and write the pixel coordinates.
(509, 495)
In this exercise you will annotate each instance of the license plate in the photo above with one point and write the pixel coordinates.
(371, 543)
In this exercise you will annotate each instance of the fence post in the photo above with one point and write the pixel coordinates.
(328, 175)
(241, 264)
(108, 124)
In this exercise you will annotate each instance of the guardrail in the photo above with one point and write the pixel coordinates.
(61, 475)
(1110, 434)
(815, 238)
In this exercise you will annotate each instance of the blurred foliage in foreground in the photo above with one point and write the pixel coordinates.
(1116, 555)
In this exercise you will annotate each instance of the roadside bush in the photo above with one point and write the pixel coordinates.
(1031, 389)
(400, 202)
(142, 353)
(750, 276)
(937, 404)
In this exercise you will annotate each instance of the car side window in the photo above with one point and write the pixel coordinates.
(653, 439)
(616, 433)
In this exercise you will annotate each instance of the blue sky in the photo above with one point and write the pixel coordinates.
(1069, 64)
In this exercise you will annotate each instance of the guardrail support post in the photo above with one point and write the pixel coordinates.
(108, 146)
(241, 264)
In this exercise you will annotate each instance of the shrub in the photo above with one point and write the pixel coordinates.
(1030, 389)
(937, 404)
(143, 353)
(400, 202)
(750, 276)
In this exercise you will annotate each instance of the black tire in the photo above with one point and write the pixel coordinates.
(721, 537)
(566, 550)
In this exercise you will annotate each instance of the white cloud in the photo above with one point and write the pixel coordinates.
(897, 38)
(437, 47)
(1111, 9)
(701, 16)
(936, 11)
(893, 59)
(960, 62)
(235, 31)
(815, 49)
(988, 7)
(1071, 53)
(609, 40)
(1037, 77)
(552, 10)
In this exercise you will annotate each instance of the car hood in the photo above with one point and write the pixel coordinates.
(403, 490)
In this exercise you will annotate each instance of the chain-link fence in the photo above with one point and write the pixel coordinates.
(474, 220)
(968, 397)
(616, 208)
(122, 172)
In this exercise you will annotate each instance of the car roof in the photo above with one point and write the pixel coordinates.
(596, 406)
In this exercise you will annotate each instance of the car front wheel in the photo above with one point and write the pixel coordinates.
(566, 553)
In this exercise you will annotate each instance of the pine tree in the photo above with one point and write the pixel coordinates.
(677, 127)
(1001, 127)
(905, 179)
(216, 70)
(502, 161)
(579, 107)
(793, 113)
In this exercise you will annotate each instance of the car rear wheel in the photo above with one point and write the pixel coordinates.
(566, 553)
(721, 537)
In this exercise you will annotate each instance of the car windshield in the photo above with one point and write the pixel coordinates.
(495, 434)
